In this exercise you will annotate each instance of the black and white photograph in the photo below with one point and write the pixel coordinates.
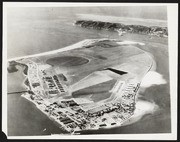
(96, 70)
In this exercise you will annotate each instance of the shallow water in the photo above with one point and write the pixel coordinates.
(24, 119)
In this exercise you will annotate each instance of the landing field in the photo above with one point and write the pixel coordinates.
(79, 63)
(105, 74)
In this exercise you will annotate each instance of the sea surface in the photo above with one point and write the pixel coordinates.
(40, 30)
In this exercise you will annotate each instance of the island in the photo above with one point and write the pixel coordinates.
(122, 28)
(90, 85)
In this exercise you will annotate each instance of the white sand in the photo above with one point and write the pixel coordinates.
(127, 42)
(142, 108)
(152, 78)
(71, 47)
(74, 46)
(145, 107)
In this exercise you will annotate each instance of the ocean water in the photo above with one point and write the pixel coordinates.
(38, 30)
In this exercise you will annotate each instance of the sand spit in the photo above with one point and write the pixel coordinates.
(71, 47)
(80, 44)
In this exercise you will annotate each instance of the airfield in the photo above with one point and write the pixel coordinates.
(95, 80)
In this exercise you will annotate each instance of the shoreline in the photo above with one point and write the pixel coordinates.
(67, 48)
(46, 114)
(80, 44)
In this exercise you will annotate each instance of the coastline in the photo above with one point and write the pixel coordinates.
(47, 114)
(67, 48)
(80, 44)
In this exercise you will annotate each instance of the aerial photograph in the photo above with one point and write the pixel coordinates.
(87, 70)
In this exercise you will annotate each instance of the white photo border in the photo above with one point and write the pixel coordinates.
(172, 10)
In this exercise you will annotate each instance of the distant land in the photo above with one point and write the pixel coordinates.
(138, 29)
(146, 21)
